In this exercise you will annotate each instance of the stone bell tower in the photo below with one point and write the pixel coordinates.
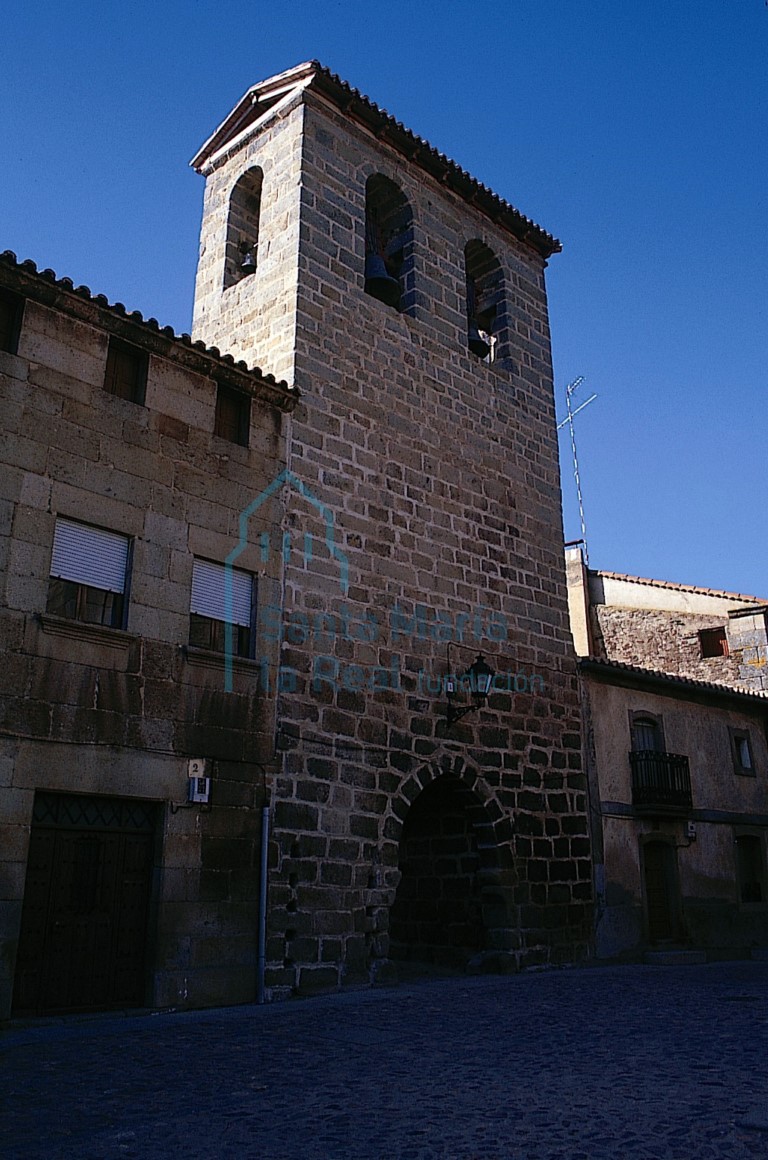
(423, 541)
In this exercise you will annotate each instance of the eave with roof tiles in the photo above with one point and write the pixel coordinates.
(44, 286)
(673, 586)
(632, 676)
(360, 108)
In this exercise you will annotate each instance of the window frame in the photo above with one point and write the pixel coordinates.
(82, 592)
(719, 634)
(640, 716)
(226, 395)
(118, 349)
(244, 636)
(737, 736)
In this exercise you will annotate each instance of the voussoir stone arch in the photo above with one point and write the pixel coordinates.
(453, 892)
(492, 826)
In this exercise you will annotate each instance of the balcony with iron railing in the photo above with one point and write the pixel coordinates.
(661, 782)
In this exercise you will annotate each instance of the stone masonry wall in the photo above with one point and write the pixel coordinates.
(726, 802)
(424, 509)
(666, 642)
(748, 644)
(255, 318)
(85, 709)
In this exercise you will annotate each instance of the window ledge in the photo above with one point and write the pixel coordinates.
(745, 772)
(209, 659)
(223, 446)
(83, 630)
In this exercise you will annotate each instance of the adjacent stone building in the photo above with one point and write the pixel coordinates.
(407, 304)
(329, 600)
(675, 729)
(122, 480)
(699, 633)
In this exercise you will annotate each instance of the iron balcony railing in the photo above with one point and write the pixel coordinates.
(660, 780)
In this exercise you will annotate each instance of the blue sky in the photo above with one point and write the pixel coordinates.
(635, 132)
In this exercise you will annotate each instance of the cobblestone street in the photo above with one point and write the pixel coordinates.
(595, 1064)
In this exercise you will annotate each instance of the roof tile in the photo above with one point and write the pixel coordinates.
(8, 258)
(655, 674)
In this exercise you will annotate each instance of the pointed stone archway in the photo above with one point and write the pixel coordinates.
(455, 870)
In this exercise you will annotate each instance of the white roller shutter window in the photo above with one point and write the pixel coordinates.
(208, 593)
(89, 556)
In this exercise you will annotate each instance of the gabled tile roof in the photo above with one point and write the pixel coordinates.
(354, 104)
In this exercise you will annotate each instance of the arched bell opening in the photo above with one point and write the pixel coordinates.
(388, 243)
(242, 245)
(449, 894)
(486, 308)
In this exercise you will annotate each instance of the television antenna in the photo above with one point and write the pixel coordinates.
(570, 390)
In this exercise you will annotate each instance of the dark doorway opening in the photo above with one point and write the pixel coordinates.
(437, 914)
(82, 945)
(661, 897)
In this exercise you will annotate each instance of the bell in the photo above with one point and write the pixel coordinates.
(248, 264)
(379, 283)
(476, 343)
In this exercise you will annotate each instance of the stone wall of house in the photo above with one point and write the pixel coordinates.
(666, 642)
(423, 528)
(90, 710)
(705, 892)
(670, 642)
(658, 626)
(748, 644)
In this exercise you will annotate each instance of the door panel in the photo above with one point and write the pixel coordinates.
(84, 918)
(660, 891)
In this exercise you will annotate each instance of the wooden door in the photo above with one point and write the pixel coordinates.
(86, 903)
(660, 891)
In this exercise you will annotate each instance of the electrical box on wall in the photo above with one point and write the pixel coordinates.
(199, 786)
(690, 831)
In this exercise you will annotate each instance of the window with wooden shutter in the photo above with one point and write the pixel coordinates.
(126, 372)
(89, 567)
(221, 596)
(233, 415)
(713, 642)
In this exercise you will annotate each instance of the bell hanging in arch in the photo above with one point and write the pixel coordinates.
(248, 264)
(379, 283)
(475, 341)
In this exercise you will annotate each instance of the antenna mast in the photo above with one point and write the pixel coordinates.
(569, 391)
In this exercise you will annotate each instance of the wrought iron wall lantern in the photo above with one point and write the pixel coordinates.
(480, 676)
